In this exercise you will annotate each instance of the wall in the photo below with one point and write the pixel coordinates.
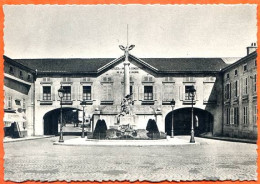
(208, 96)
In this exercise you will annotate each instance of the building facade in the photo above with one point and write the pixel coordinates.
(240, 97)
(153, 83)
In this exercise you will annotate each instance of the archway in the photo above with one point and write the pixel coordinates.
(70, 119)
(182, 121)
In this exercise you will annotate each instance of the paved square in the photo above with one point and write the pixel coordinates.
(211, 160)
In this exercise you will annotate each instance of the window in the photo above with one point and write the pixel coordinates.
(245, 86)
(46, 93)
(189, 79)
(21, 74)
(66, 79)
(107, 79)
(254, 79)
(255, 62)
(107, 93)
(29, 77)
(187, 92)
(24, 104)
(236, 115)
(228, 116)
(255, 114)
(11, 70)
(228, 91)
(168, 79)
(46, 79)
(235, 72)
(168, 92)
(245, 67)
(86, 92)
(131, 89)
(236, 89)
(245, 117)
(148, 79)
(227, 75)
(9, 102)
(17, 102)
(148, 92)
(67, 92)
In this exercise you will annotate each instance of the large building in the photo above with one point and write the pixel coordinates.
(153, 82)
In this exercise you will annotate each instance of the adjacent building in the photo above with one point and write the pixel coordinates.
(240, 97)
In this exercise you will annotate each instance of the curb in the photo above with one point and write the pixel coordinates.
(126, 143)
(231, 139)
(27, 139)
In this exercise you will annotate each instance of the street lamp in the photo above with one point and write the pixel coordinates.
(172, 130)
(192, 91)
(61, 92)
(83, 103)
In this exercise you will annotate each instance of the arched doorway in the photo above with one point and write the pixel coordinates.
(52, 118)
(182, 121)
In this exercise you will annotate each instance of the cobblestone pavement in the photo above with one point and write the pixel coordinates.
(212, 160)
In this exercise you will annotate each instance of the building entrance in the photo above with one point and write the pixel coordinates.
(71, 123)
(203, 121)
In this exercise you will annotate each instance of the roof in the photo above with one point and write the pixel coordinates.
(252, 55)
(96, 65)
(186, 64)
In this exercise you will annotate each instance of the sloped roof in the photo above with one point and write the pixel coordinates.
(186, 64)
(93, 65)
(65, 65)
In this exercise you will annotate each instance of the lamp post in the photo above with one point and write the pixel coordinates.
(192, 94)
(83, 103)
(61, 95)
(172, 130)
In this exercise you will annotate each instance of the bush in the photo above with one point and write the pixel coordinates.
(152, 126)
(112, 133)
(100, 130)
(141, 134)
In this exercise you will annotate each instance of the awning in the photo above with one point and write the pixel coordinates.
(10, 117)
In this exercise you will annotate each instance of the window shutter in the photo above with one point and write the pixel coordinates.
(57, 94)
(5, 101)
(53, 93)
(232, 116)
(73, 92)
(155, 93)
(172, 93)
(104, 93)
(181, 93)
(141, 92)
(80, 92)
(110, 92)
(93, 96)
(135, 92)
(196, 93)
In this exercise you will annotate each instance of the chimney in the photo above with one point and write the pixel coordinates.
(251, 48)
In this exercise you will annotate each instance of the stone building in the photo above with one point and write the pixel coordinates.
(240, 97)
(19, 97)
(153, 82)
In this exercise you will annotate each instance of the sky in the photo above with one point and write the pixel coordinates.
(95, 31)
